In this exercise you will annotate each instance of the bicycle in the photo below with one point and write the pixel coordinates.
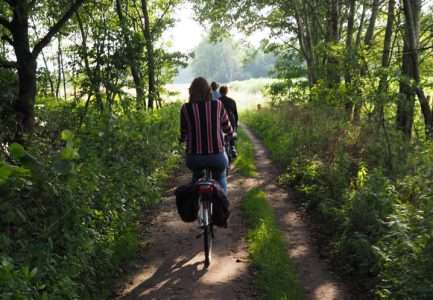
(205, 189)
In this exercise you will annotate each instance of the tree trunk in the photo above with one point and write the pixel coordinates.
(372, 24)
(349, 55)
(50, 80)
(24, 104)
(26, 58)
(152, 92)
(412, 10)
(45, 60)
(360, 27)
(332, 38)
(306, 44)
(59, 71)
(134, 64)
(368, 40)
(309, 41)
(386, 59)
(406, 103)
(94, 82)
(62, 69)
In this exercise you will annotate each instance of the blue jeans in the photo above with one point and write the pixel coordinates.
(216, 162)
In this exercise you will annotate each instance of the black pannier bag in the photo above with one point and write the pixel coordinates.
(187, 202)
(221, 206)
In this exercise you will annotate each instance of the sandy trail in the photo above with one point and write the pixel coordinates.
(171, 265)
(318, 282)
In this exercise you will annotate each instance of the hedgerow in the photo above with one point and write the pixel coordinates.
(71, 199)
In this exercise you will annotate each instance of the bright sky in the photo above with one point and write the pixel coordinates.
(187, 33)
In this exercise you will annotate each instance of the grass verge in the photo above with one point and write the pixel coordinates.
(276, 275)
(245, 160)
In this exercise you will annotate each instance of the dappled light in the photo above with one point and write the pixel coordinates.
(109, 109)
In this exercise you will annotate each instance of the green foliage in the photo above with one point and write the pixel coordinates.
(289, 63)
(373, 203)
(227, 60)
(276, 275)
(71, 200)
(258, 62)
(217, 62)
(8, 81)
(245, 160)
(405, 250)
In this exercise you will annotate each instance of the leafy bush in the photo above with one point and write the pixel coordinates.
(8, 80)
(71, 199)
(371, 195)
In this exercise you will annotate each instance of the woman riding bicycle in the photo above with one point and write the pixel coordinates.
(202, 124)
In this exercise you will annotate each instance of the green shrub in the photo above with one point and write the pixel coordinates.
(71, 199)
(370, 193)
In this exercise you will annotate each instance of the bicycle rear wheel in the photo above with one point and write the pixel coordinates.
(208, 241)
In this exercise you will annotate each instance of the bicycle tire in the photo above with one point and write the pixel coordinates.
(207, 237)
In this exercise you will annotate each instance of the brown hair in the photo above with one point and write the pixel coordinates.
(223, 90)
(199, 90)
(214, 85)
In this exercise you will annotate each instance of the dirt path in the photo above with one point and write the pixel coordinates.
(318, 282)
(171, 266)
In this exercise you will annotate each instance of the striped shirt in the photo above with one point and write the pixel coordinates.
(202, 125)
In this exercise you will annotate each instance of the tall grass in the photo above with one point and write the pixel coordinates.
(247, 93)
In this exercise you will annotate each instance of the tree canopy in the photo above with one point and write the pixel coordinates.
(86, 140)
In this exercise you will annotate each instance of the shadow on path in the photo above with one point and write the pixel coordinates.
(318, 282)
(172, 266)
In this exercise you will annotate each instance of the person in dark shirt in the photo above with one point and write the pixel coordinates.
(202, 123)
(230, 106)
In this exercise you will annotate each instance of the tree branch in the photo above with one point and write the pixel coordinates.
(8, 64)
(5, 22)
(159, 21)
(56, 28)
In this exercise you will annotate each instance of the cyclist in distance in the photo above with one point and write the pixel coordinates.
(202, 123)
(215, 94)
(230, 106)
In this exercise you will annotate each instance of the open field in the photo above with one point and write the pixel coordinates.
(247, 93)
